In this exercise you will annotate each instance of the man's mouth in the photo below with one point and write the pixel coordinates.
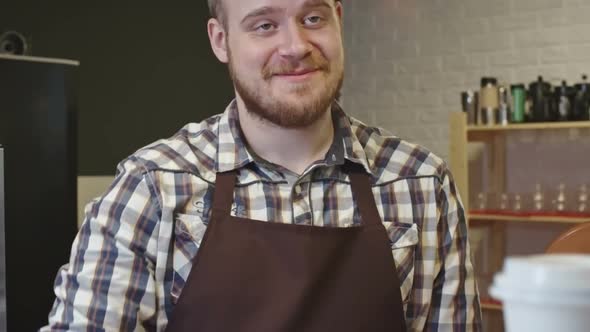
(297, 76)
(298, 72)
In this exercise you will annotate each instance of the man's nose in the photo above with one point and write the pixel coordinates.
(295, 44)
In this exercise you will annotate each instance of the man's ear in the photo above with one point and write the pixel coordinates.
(217, 38)
(339, 11)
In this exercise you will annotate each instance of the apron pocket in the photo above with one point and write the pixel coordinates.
(403, 239)
(188, 233)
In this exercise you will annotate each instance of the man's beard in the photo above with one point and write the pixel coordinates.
(260, 100)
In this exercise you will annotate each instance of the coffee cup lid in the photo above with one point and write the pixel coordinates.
(556, 271)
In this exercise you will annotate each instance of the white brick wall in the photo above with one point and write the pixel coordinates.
(408, 60)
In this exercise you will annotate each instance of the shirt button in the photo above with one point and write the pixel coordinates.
(298, 189)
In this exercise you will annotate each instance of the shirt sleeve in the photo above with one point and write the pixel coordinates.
(455, 302)
(108, 283)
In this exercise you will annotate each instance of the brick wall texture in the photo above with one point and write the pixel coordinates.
(408, 60)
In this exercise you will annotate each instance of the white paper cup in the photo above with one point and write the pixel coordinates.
(545, 293)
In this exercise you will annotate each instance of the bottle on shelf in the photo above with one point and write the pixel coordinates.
(563, 100)
(538, 199)
(503, 106)
(488, 101)
(540, 93)
(583, 201)
(518, 103)
(581, 105)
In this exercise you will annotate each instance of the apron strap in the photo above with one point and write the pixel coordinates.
(223, 195)
(362, 193)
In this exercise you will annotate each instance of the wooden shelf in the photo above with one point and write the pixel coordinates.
(528, 219)
(485, 305)
(531, 126)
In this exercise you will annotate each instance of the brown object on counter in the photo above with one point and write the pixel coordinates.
(575, 240)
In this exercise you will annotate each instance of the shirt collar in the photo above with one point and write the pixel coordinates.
(233, 153)
(352, 148)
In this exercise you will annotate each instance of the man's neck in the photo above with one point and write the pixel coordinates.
(294, 149)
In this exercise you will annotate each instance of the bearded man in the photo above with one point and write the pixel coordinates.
(280, 214)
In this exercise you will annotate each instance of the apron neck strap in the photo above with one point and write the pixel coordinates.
(223, 195)
(362, 193)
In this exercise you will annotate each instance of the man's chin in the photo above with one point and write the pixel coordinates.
(298, 94)
(291, 111)
(299, 103)
(293, 90)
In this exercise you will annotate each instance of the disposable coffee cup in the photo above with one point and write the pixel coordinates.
(545, 293)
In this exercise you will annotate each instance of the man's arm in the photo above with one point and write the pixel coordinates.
(108, 283)
(455, 300)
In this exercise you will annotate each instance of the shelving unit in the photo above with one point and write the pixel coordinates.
(462, 134)
(528, 219)
(494, 139)
(529, 126)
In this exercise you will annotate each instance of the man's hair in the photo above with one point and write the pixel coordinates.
(215, 9)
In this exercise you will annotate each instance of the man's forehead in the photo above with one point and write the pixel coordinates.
(243, 7)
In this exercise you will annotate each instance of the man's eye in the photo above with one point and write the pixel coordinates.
(265, 27)
(313, 20)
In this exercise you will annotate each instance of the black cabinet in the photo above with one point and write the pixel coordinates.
(38, 133)
(2, 248)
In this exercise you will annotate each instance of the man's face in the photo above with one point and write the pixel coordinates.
(285, 57)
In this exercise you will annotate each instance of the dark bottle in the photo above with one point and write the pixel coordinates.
(581, 104)
(540, 93)
(563, 98)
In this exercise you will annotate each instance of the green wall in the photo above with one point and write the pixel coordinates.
(146, 69)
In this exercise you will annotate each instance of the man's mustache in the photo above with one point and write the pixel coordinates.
(292, 67)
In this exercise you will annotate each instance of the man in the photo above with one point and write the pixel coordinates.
(281, 214)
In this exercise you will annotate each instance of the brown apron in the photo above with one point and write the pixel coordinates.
(256, 276)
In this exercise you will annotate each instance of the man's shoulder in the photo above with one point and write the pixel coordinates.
(391, 157)
(192, 149)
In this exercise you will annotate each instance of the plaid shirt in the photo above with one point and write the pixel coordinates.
(133, 252)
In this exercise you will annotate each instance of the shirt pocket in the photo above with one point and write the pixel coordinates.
(188, 234)
(403, 240)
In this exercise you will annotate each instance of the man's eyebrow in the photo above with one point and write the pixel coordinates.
(317, 3)
(268, 10)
